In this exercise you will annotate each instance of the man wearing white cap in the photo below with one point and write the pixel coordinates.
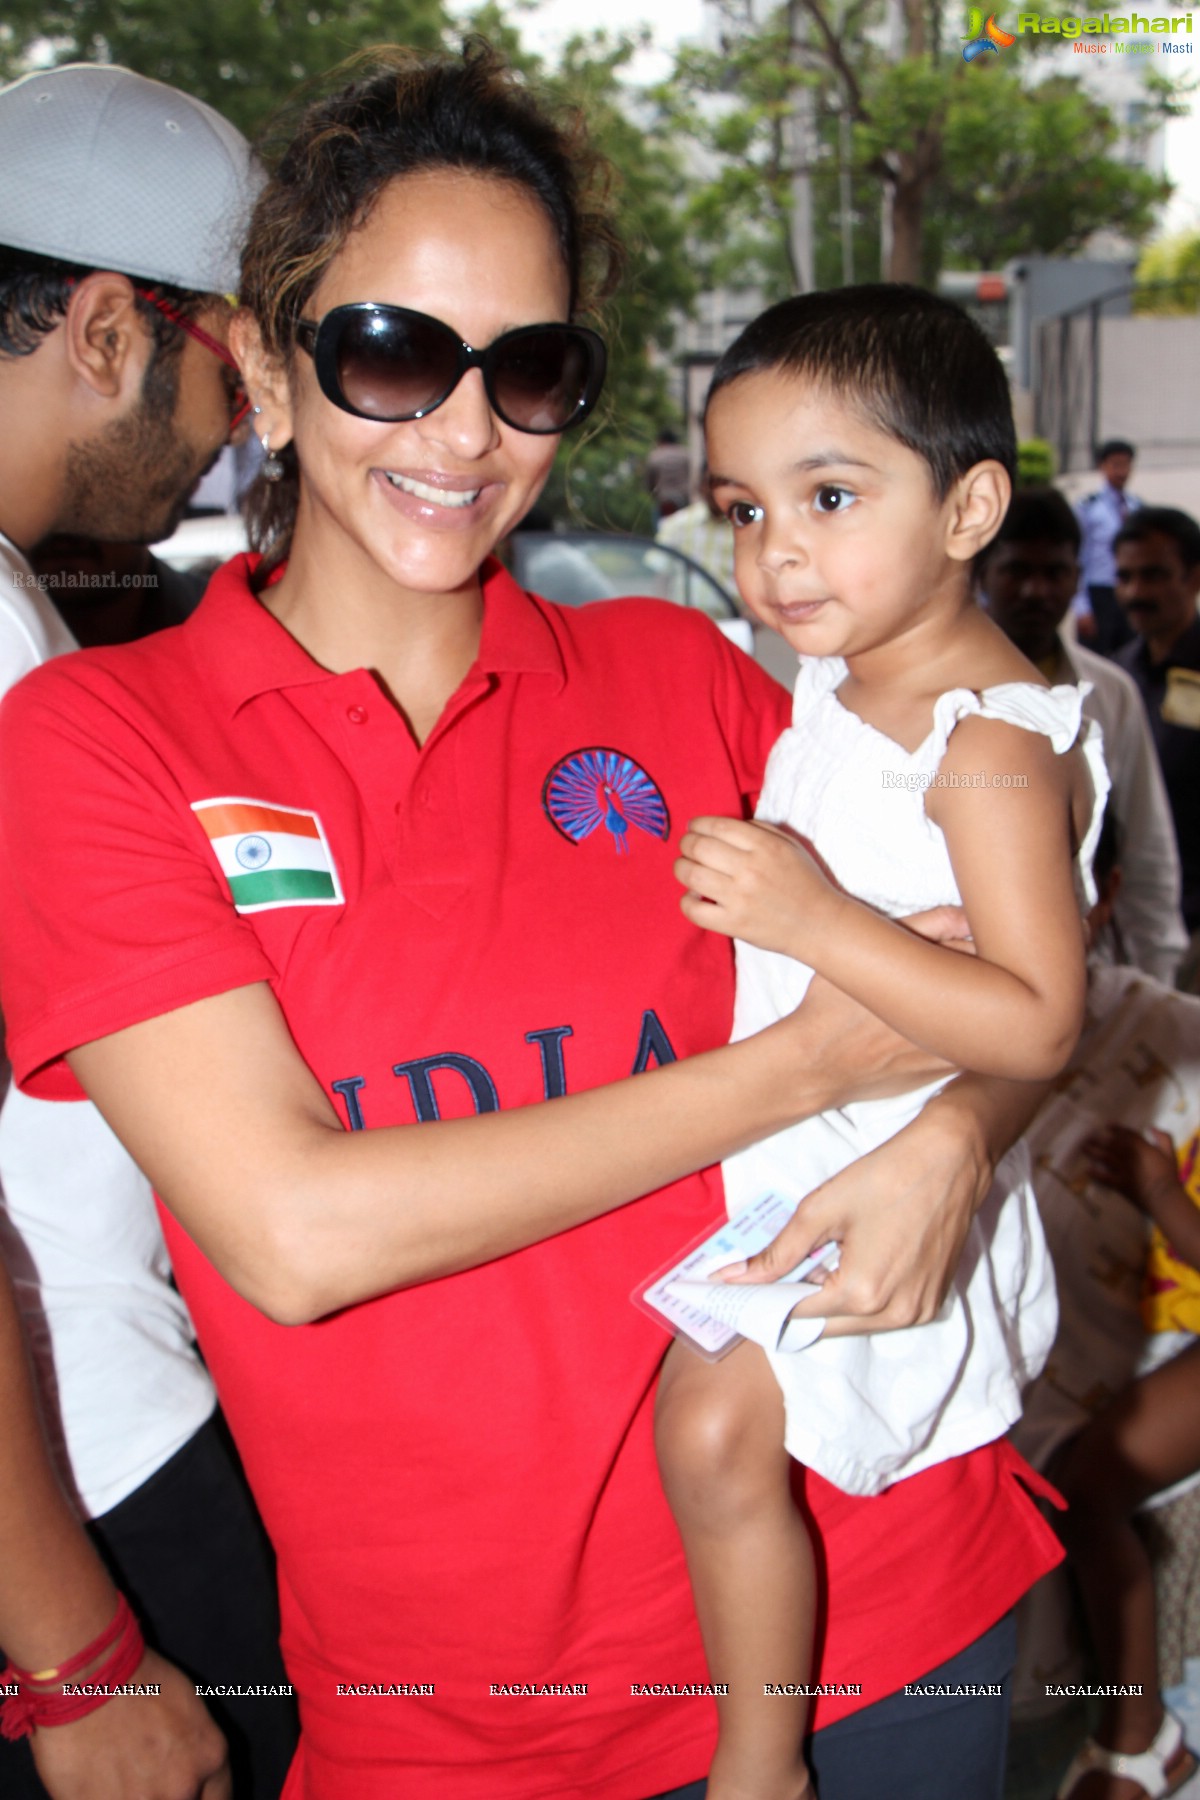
(121, 212)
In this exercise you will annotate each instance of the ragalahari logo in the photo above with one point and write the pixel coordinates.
(981, 37)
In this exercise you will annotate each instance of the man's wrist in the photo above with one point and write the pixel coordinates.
(47, 1624)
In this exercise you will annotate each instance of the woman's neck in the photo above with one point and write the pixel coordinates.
(419, 646)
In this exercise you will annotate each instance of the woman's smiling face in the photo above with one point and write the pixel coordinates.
(428, 499)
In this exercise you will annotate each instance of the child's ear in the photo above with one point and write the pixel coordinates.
(265, 379)
(977, 504)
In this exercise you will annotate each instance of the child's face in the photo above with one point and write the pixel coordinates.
(840, 541)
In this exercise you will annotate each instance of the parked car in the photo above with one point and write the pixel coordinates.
(576, 567)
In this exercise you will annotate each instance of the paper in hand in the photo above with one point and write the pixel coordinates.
(712, 1315)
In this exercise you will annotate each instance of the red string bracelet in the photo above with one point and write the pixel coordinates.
(116, 1653)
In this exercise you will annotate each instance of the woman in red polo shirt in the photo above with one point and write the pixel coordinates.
(378, 840)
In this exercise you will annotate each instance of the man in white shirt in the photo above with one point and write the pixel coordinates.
(1101, 515)
(1026, 578)
(120, 214)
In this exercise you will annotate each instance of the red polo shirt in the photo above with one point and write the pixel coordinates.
(459, 1479)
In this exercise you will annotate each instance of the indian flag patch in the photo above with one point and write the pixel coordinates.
(270, 855)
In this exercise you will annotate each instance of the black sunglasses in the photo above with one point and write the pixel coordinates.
(389, 364)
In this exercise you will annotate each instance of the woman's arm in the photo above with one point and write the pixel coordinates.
(1014, 1009)
(302, 1217)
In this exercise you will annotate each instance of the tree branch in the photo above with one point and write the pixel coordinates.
(835, 57)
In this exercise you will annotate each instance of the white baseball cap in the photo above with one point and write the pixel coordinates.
(109, 170)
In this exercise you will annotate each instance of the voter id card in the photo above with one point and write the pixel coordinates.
(732, 1241)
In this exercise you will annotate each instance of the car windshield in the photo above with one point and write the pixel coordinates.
(574, 568)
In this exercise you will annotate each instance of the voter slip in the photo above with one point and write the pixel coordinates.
(712, 1316)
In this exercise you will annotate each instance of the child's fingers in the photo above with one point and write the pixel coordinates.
(728, 831)
(705, 914)
(1120, 1134)
(1105, 1169)
(710, 883)
(1111, 1141)
(1107, 1157)
(712, 852)
(1118, 1147)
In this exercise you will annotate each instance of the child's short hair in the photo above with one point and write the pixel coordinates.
(921, 370)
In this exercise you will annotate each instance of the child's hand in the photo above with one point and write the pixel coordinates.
(754, 882)
(1145, 1172)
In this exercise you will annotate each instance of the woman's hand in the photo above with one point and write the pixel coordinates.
(900, 1215)
(755, 882)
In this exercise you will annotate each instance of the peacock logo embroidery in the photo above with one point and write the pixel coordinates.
(600, 787)
(981, 37)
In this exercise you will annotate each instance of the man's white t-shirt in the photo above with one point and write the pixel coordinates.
(121, 1384)
(1147, 907)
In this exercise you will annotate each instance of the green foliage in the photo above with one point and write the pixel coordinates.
(1037, 464)
(1003, 165)
(732, 103)
(1168, 275)
(242, 56)
(1032, 171)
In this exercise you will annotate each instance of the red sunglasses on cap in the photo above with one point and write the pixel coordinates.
(239, 402)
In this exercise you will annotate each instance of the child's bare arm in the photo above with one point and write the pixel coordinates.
(1015, 1008)
(1145, 1171)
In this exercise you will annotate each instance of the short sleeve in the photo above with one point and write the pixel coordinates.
(1055, 713)
(110, 913)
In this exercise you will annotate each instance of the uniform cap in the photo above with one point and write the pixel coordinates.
(109, 170)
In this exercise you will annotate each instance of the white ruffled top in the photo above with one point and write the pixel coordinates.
(865, 1411)
(859, 796)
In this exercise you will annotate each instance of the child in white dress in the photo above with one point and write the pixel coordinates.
(861, 444)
